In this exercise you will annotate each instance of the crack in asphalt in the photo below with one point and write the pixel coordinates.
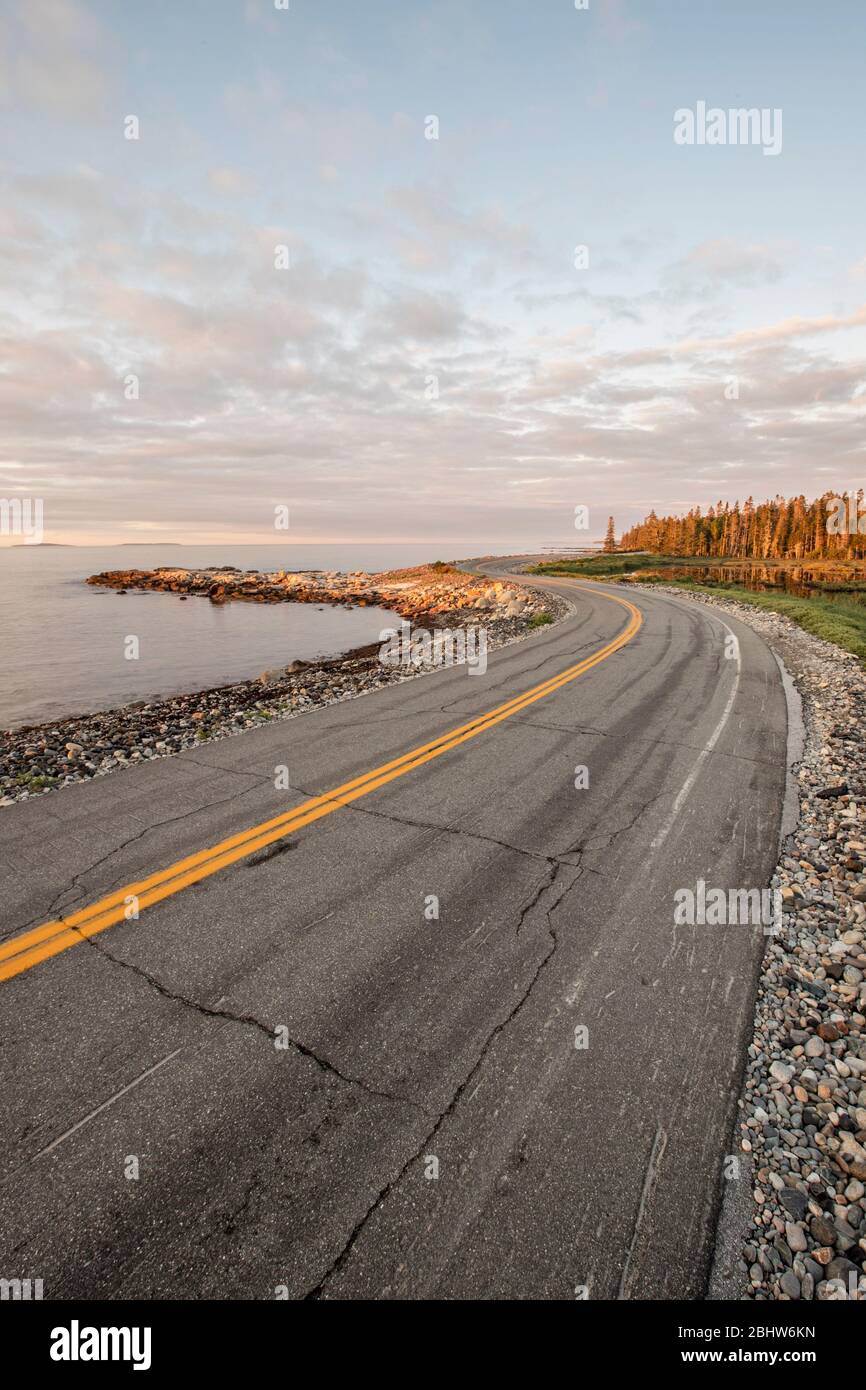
(218, 767)
(608, 836)
(319, 1289)
(647, 742)
(74, 883)
(572, 656)
(453, 829)
(546, 883)
(556, 728)
(231, 1219)
(248, 1020)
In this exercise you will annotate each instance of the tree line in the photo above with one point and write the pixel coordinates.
(781, 529)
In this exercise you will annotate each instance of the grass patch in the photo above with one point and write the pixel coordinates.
(836, 612)
(34, 781)
(540, 619)
(609, 566)
(833, 619)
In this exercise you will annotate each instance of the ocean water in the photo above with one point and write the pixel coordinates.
(63, 640)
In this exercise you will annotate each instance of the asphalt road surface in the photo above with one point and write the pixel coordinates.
(286, 1050)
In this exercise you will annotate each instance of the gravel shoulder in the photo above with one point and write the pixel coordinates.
(794, 1219)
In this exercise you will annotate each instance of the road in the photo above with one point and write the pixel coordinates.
(290, 1077)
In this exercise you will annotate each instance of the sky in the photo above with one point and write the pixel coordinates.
(337, 276)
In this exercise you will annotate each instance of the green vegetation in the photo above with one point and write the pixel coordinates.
(610, 566)
(836, 612)
(856, 586)
(833, 619)
(540, 619)
(35, 782)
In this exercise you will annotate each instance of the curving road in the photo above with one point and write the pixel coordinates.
(405, 1042)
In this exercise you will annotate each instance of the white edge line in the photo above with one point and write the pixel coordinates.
(705, 752)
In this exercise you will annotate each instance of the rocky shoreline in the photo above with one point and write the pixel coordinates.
(43, 758)
(438, 591)
(802, 1122)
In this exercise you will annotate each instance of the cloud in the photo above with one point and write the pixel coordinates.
(54, 59)
(726, 261)
(783, 331)
(617, 22)
(310, 385)
(450, 230)
(422, 318)
(229, 181)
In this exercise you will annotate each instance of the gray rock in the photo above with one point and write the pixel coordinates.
(781, 1072)
(846, 1235)
(840, 1268)
(796, 1237)
(794, 1201)
(823, 1231)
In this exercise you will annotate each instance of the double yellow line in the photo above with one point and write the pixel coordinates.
(30, 948)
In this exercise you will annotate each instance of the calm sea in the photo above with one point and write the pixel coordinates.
(63, 641)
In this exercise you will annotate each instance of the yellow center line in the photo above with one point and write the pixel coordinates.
(30, 948)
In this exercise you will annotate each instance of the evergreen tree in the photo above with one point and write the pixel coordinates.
(778, 529)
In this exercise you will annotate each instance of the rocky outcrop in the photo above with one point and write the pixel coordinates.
(427, 592)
